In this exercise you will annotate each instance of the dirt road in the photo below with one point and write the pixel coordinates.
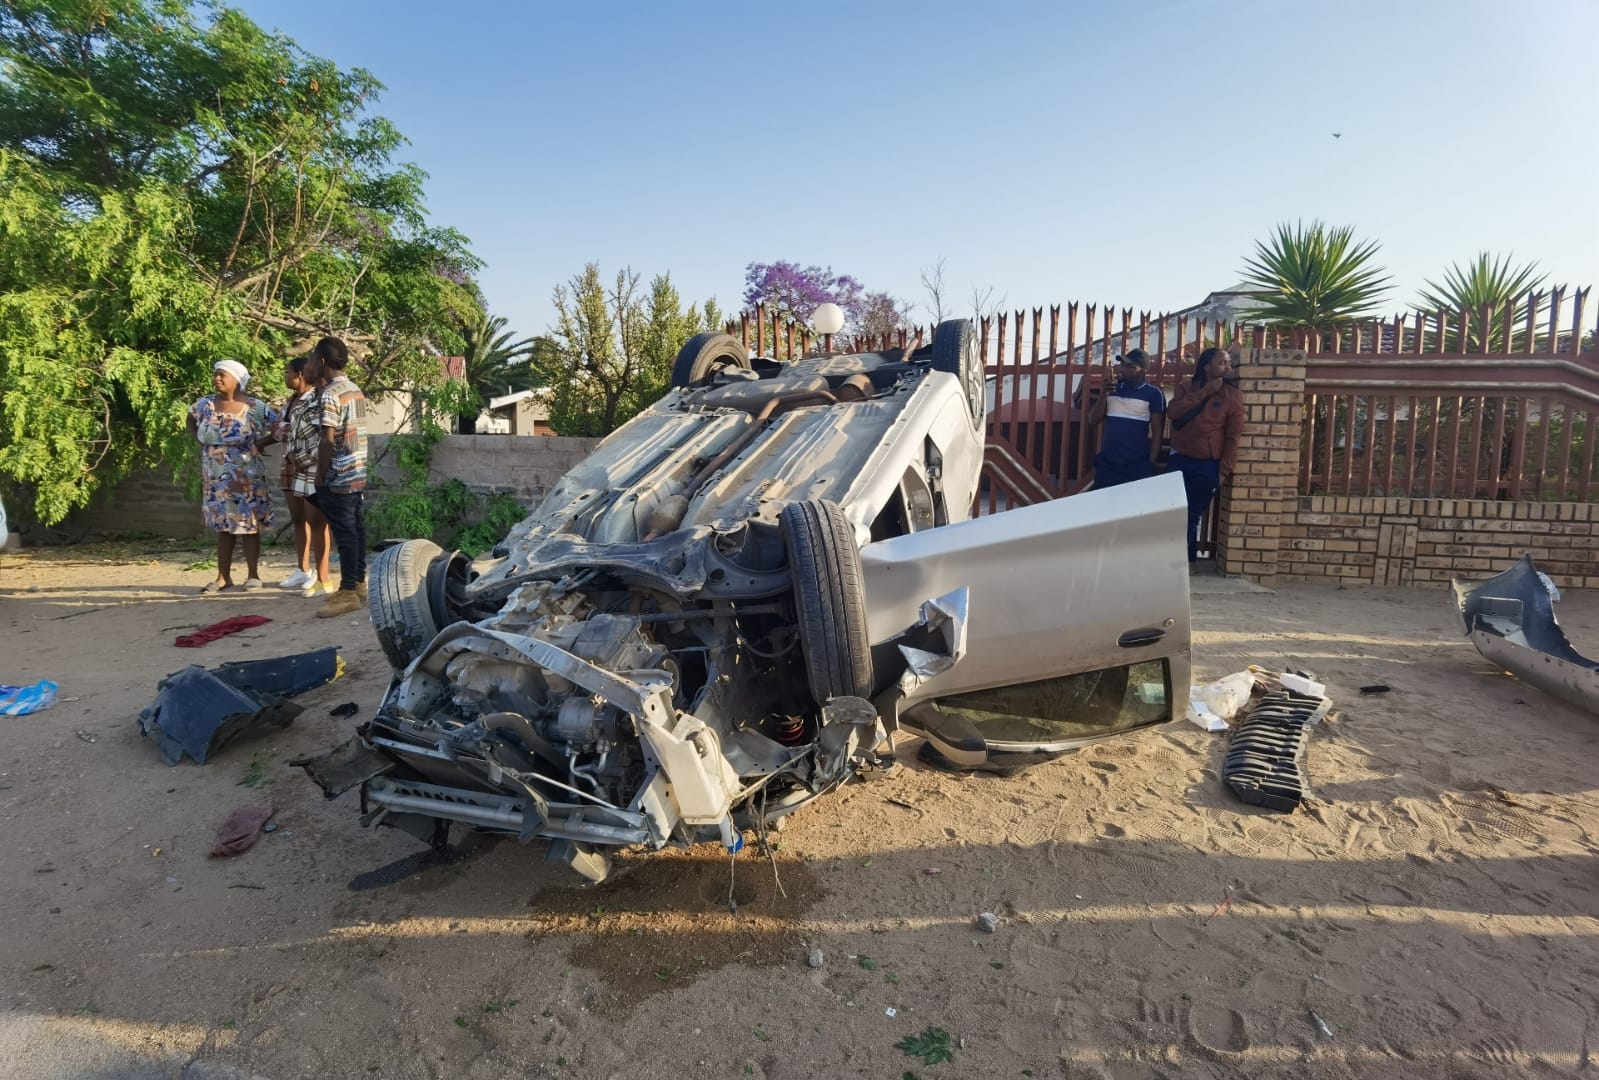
(1435, 907)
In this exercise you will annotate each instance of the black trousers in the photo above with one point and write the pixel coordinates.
(347, 519)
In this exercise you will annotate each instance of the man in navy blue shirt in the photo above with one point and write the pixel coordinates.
(1134, 418)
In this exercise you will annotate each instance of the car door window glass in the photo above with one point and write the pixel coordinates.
(1086, 705)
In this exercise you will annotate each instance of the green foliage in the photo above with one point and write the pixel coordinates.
(932, 1046)
(1478, 285)
(1315, 276)
(448, 513)
(501, 513)
(614, 348)
(178, 185)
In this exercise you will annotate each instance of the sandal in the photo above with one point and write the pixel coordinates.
(252, 584)
(215, 587)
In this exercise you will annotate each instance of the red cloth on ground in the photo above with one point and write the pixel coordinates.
(219, 630)
(241, 829)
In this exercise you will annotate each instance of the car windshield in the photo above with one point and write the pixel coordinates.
(1069, 708)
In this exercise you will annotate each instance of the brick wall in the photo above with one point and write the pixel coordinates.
(1421, 541)
(1269, 533)
(526, 467)
(1258, 502)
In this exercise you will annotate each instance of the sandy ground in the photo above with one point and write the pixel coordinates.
(1436, 906)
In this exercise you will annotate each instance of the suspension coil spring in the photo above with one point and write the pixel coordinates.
(789, 730)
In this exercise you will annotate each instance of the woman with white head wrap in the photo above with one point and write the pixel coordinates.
(232, 428)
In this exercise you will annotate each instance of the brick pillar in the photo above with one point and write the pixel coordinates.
(1259, 502)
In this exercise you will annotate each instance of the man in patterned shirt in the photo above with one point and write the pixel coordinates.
(341, 471)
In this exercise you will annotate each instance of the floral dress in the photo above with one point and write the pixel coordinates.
(236, 499)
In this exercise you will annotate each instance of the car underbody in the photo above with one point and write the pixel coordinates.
(734, 604)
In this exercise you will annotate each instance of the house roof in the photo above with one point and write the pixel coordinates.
(1228, 306)
(511, 399)
(454, 366)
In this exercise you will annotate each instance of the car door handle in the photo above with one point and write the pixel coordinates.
(1137, 639)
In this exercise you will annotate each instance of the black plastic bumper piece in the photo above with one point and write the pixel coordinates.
(196, 712)
(1265, 762)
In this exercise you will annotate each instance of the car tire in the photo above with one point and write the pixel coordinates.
(397, 598)
(703, 355)
(830, 596)
(955, 351)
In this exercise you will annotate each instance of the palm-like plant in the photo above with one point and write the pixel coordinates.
(1481, 284)
(494, 364)
(1305, 277)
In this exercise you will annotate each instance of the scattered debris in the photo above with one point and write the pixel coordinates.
(1221, 908)
(867, 962)
(199, 711)
(86, 736)
(1213, 705)
(22, 700)
(1376, 688)
(207, 634)
(932, 1046)
(891, 1012)
(240, 830)
(816, 959)
(987, 922)
(1511, 620)
(1302, 685)
(271, 826)
(1321, 1026)
(349, 708)
(1265, 760)
(932, 871)
(255, 776)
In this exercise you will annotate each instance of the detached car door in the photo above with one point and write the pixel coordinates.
(1077, 617)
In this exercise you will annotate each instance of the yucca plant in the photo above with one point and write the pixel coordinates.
(1486, 282)
(1314, 276)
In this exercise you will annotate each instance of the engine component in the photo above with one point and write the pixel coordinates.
(583, 721)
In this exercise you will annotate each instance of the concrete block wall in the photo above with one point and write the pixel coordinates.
(519, 465)
(522, 466)
(1271, 534)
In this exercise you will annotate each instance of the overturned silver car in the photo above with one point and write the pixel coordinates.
(733, 605)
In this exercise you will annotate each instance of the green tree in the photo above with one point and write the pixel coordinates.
(1306, 277)
(1475, 287)
(177, 185)
(614, 348)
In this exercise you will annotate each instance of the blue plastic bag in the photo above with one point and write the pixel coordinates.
(22, 700)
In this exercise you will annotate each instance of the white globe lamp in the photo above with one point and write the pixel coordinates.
(827, 320)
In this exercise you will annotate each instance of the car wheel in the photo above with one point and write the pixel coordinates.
(955, 351)
(704, 355)
(397, 597)
(829, 593)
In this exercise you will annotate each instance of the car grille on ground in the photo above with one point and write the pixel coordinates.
(1265, 762)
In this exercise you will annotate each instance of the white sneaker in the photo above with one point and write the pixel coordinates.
(297, 580)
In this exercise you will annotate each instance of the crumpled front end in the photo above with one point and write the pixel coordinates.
(556, 719)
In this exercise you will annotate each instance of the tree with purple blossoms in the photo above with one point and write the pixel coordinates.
(797, 291)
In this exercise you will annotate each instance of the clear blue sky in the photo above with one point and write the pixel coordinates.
(1128, 152)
